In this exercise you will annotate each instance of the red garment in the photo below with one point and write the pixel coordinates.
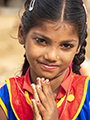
(63, 88)
(73, 107)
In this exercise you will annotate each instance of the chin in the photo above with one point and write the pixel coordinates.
(47, 76)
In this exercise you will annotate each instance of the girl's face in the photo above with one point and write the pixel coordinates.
(50, 49)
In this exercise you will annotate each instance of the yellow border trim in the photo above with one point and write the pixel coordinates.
(83, 99)
(27, 95)
(8, 85)
(60, 102)
(4, 107)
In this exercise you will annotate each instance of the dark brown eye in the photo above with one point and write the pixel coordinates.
(40, 41)
(67, 46)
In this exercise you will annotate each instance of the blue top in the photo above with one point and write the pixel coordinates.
(5, 104)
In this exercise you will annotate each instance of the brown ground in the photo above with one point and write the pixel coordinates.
(11, 52)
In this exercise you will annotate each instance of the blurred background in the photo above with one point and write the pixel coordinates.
(11, 52)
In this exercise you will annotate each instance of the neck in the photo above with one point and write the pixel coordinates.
(55, 82)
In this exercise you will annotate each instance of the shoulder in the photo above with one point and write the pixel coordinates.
(10, 83)
(80, 81)
(85, 111)
(4, 91)
(5, 95)
(81, 84)
(18, 79)
(4, 99)
(80, 89)
(79, 78)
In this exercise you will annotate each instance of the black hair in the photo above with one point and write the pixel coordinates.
(71, 11)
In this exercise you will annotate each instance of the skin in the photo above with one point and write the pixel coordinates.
(43, 44)
(42, 51)
(2, 114)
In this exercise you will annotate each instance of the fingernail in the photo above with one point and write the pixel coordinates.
(38, 87)
(33, 86)
(47, 80)
(33, 100)
(38, 78)
(38, 101)
(43, 79)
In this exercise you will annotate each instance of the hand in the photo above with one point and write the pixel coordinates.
(44, 105)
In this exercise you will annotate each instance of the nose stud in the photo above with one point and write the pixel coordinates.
(57, 57)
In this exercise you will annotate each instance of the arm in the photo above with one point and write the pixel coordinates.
(2, 114)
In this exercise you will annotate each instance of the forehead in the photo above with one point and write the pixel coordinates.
(56, 30)
(56, 26)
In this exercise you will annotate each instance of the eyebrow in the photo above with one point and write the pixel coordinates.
(42, 35)
(72, 40)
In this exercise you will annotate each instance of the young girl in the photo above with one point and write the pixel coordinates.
(54, 34)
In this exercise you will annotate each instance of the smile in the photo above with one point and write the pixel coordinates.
(49, 67)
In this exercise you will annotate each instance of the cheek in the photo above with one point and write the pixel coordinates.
(33, 52)
(68, 57)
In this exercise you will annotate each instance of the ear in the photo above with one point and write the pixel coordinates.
(21, 34)
(78, 49)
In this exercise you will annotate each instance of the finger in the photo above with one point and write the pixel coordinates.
(41, 108)
(43, 98)
(37, 116)
(35, 95)
(38, 81)
(48, 92)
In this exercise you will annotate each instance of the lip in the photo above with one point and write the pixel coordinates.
(49, 67)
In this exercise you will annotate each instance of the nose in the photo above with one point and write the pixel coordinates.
(51, 54)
